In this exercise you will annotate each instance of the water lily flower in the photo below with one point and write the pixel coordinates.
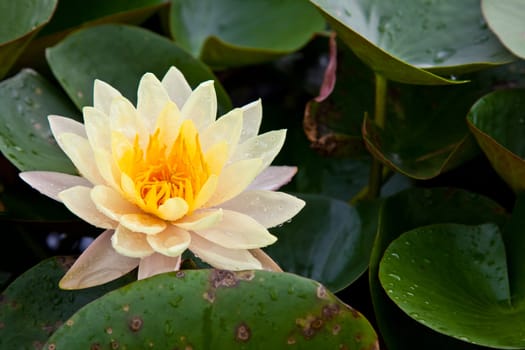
(166, 176)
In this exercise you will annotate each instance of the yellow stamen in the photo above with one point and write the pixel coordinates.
(161, 171)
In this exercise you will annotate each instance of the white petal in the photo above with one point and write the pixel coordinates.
(50, 183)
(269, 208)
(151, 100)
(176, 86)
(60, 125)
(78, 149)
(201, 106)
(97, 265)
(157, 263)
(237, 231)
(96, 124)
(273, 177)
(130, 243)
(103, 95)
(252, 117)
(111, 203)
(234, 179)
(223, 258)
(172, 209)
(200, 219)
(265, 146)
(225, 129)
(173, 241)
(265, 260)
(78, 200)
(143, 223)
(124, 119)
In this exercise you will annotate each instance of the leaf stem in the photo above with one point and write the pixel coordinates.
(376, 170)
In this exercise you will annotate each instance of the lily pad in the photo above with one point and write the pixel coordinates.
(505, 18)
(327, 241)
(412, 44)
(497, 120)
(453, 278)
(67, 18)
(29, 318)
(20, 21)
(104, 52)
(229, 33)
(215, 309)
(25, 137)
(408, 210)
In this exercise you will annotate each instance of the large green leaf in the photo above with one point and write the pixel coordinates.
(426, 133)
(326, 241)
(505, 18)
(20, 21)
(120, 55)
(26, 100)
(453, 278)
(409, 41)
(498, 123)
(227, 33)
(215, 309)
(33, 307)
(71, 15)
(411, 209)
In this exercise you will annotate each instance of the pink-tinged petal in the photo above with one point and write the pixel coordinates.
(103, 95)
(223, 258)
(60, 125)
(51, 184)
(78, 200)
(96, 124)
(237, 231)
(252, 117)
(265, 146)
(143, 223)
(151, 100)
(130, 243)
(273, 177)
(200, 220)
(225, 129)
(176, 86)
(79, 151)
(97, 265)
(157, 263)
(265, 260)
(173, 241)
(201, 106)
(234, 179)
(110, 203)
(269, 208)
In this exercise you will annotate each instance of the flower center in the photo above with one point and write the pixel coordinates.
(165, 171)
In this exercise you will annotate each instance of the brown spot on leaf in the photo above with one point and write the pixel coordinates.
(330, 311)
(2, 324)
(321, 292)
(291, 341)
(125, 308)
(223, 278)
(135, 324)
(115, 344)
(336, 329)
(210, 296)
(37, 345)
(95, 346)
(51, 346)
(70, 323)
(109, 330)
(180, 274)
(245, 275)
(242, 333)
